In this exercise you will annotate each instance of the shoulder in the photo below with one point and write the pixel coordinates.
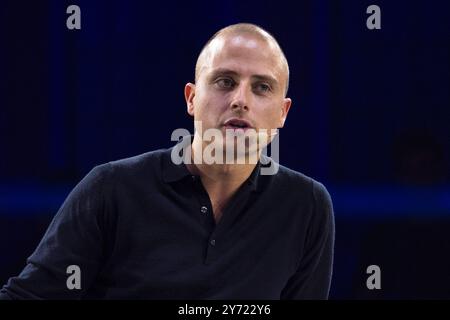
(138, 164)
(307, 187)
(132, 170)
(294, 178)
(299, 180)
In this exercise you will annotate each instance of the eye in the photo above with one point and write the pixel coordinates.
(263, 87)
(225, 83)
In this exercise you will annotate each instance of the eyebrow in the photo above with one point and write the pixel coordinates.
(229, 72)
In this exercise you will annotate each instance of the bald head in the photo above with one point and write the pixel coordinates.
(241, 29)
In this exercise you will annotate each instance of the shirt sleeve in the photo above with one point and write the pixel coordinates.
(73, 238)
(312, 279)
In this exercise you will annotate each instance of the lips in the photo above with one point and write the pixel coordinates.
(237, 123)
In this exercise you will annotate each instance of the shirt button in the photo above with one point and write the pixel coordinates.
(204, 209)
(213, 242)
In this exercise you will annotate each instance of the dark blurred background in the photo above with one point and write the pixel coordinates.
(371, 111)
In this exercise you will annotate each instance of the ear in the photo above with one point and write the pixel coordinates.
(189, 94)
(284, 110)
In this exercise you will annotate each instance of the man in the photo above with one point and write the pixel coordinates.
(148, 227)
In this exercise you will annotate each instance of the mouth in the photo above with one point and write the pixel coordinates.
(237, 124)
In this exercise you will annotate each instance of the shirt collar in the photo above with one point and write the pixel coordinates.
(172, 172)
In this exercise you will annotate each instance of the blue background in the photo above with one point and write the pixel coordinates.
(370, 117)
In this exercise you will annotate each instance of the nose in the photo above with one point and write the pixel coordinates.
(241, 98)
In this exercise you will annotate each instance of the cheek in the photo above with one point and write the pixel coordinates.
(209, 108)
(213, 103)
(200, 104)
(270, 117)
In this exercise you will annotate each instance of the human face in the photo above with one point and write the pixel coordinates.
(241, 81)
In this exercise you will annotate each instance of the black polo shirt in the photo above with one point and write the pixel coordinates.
(143, 228)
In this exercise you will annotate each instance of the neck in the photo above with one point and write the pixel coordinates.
(221, 181)
(218, 173)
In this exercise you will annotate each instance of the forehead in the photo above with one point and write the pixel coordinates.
(244, 54)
